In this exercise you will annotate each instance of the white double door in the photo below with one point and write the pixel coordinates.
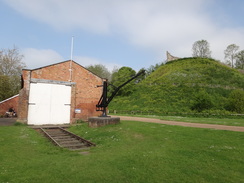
(49, 104)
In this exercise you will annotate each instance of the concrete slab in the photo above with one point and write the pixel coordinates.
(7, 121)
(102, 121)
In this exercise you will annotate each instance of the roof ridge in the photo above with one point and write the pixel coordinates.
(9, 98)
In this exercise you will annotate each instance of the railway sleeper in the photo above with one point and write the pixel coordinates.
(70, 142)
(60, 137)
(74, 145)
(66, 139)
(57, 135)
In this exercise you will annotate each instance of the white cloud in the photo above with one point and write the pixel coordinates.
(87, 61)
(222, 38)
(35, 58)
(157, 25)
(66, 14)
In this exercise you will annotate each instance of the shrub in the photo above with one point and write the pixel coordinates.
(203, 101)
(236, 101)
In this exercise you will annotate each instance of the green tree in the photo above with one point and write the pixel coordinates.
(118, 78)
(11, 65)
(100, 70)
(230, 54)
(201, 49)
(240, 60)
(153, 68)
(141, 77)
(236, 101)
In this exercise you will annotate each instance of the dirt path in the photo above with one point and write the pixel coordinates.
(196, 125)
(11, 121)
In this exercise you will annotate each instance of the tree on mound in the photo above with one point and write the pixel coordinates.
(240, 60)
(201, 49)
(230, 54)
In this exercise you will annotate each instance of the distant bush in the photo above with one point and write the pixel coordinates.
(203, 101)
(236, 101)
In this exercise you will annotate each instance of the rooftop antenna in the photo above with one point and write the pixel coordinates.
(71, 59)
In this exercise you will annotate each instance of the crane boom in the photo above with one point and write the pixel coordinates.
(105, 100)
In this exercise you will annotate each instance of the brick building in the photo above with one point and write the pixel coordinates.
(58, 94)
(9, 103)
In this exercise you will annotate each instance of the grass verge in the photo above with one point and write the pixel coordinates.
(127, 152)
(216, 121)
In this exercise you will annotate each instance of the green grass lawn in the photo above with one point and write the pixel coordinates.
(127, 152)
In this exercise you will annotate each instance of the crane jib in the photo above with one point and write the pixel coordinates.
(105, 100)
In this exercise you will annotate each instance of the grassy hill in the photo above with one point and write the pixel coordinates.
(184, 85)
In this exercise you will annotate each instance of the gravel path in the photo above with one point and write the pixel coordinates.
(196, 125)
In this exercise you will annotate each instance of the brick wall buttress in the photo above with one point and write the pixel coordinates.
(24, 97)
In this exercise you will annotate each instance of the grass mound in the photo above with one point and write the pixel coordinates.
(185, 85)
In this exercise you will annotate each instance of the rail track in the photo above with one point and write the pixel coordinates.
(65, 139)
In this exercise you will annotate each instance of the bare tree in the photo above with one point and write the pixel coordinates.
(201, 49)
(240, 60)
(11, 66)
(5, 88)
(230, 54)
(100, 70)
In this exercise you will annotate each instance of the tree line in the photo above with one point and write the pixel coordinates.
(233, 57)
(11, 66)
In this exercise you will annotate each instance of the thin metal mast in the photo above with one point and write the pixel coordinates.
(71, 59)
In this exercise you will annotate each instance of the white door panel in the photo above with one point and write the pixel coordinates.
(49, 104)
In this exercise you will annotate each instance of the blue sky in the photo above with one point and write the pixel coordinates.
(115, 33)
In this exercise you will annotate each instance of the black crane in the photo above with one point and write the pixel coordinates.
(105, 100)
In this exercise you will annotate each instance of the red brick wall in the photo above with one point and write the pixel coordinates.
(8, 103)
(58, 72)
(85, 93)
(23, 97)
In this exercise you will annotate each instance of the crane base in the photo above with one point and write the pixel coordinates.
(102, 121)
